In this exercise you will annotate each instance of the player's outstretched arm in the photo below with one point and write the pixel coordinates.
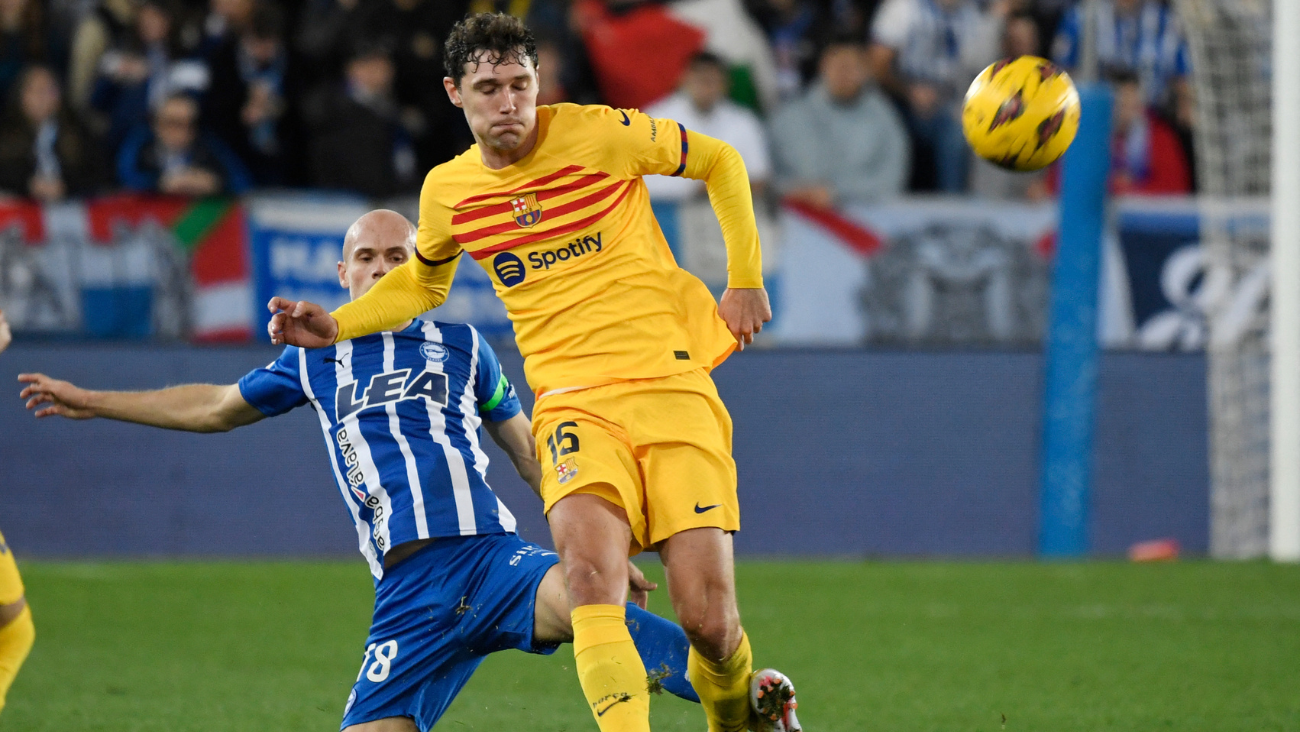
(515, 436)
(192, 407)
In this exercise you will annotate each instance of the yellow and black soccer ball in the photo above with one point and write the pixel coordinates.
(1021, 113)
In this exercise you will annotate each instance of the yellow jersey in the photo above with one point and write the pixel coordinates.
(569, 240)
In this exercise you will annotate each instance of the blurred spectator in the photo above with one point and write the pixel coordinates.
(321, 38)
(413, 31)
(27, 36)
(793, 28)
(139, 73)
(226, 21)
(110, 24)
(701, 105)
(550, 74)
(1146, 154)
(1020, 36)
(1141, 36)
(734, 35)
(926, 52)
(246, 102)
(176, 156)
(44, 152)
(843, 141)
(356, 141)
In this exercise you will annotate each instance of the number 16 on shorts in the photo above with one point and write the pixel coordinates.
(384, 653)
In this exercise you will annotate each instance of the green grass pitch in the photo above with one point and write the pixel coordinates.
(181, 647)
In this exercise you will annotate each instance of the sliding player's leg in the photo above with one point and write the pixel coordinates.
(660, 642)
(16, 630)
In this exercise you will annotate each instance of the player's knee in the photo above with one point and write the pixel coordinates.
(713, 629)
(592, 582)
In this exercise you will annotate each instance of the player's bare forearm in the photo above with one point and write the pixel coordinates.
(515, 436)
(745, 310)
(190, 408)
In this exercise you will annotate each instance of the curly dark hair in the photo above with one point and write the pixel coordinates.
(493, 38)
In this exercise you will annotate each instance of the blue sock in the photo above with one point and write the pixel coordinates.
(663, 648)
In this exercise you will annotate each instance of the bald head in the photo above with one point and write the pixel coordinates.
(376, 244)
(380, 227)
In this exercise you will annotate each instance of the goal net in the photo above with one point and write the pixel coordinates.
(1230, 42)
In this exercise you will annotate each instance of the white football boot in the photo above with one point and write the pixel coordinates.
(771, 696)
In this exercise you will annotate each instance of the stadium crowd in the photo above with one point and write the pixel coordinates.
(829, 101)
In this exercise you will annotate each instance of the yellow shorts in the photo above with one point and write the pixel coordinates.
(11, 585)
(659, 448)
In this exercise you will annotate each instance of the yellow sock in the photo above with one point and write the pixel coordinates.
(610, 669)
(723, 687)
(16, 639)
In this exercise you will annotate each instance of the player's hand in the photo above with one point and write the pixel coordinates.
(65, 400)
(744, 311)
(638, 587)
(6, 337)
(300, 323)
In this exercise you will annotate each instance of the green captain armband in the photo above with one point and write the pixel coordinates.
(502, 387)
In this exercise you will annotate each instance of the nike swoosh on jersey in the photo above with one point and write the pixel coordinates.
(699, 509)
(625, 121)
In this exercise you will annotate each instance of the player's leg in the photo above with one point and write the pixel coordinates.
(593, 498)
(660, 642)
(415, 659)
(683, 439)
(592, 537)
(17, 633)
(701, 583)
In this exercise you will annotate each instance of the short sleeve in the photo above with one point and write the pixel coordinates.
(277, 388)
(496, 397)
(635, 144)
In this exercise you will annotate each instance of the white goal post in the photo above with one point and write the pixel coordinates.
(1284, 463)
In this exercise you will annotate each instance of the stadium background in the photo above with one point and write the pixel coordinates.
(893, 409)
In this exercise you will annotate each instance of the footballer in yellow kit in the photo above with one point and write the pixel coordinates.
(602, 312)
(17, 633)
(618, 342)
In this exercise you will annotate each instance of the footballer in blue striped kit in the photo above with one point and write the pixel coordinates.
(401, 413)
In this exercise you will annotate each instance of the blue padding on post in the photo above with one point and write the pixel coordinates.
(1071, 379)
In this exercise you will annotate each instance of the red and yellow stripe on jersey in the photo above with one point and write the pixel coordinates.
(574, 251)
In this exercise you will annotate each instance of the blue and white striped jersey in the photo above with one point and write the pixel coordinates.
(1150, 44)
(401, 413)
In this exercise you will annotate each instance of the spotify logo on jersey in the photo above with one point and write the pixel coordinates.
(509, 269)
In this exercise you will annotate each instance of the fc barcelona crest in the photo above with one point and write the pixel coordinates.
(565, 471)
(527, 210)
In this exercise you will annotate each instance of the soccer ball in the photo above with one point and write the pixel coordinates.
(1021, 113)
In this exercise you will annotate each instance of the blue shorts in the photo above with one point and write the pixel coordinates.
(437, 615)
